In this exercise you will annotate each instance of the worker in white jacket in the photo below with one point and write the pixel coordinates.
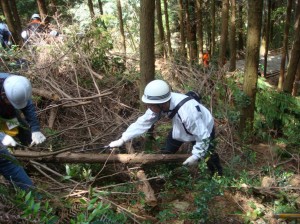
(192, 123)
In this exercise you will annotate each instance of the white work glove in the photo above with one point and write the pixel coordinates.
(37, 138)
(9, 43)
(9, 141)
(116, 143)
(53, 33)
(192, 160)
(24, 35)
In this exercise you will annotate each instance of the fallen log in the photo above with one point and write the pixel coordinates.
(68, 157)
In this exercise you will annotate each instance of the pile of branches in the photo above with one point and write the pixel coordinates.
(77, 103)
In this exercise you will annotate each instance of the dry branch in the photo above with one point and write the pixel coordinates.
(147, 189)
(68, 157)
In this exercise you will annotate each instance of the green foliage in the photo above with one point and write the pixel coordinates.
(95, 211)
(165, 215)
(12, 59)
(254, 214)
(91, 211)
(277, 114)
(78, 171)
(34, 208)
(231, 99)
(206, 189)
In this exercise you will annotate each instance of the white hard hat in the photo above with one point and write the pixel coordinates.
(156, 92)
(35, 16)
(18, 90)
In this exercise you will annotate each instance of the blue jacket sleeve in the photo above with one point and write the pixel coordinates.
(31, 116)
(2, 134)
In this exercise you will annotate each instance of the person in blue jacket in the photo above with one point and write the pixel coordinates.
(5, 34)
(15, 100)
(193, 122)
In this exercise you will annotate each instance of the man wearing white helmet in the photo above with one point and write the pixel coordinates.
(191, 123)
(36, 26)
(15, 98)
(5, 34)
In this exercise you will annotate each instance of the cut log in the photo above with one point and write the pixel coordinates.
(68, 157)
(146, 188)
(45, 94)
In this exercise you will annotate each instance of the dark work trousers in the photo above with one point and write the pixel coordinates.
(13, 171)
(9, 165)
(213, 161)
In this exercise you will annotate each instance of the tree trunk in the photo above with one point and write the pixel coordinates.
(199, 29)
(192, 30)
(268, 24)
(168, 28)
(100, 7)
(182, 29)
(120, 16)
(251, 63)
(68, 157)
(15, 13)
(213, 28)
(284, 50)
(240, 27)
(147, 57)
(295, 56)
(43, 10)
(297, 82)
(224, 33)
(232, 43)
(91, 8)
(160, 27)
(10, 21)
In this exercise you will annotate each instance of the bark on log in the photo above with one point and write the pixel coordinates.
(68, 157)
(145, 187)
(53, 113)
(45, 94)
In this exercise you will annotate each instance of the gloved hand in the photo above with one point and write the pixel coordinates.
(116, 143)
(53, 33)
(24, 35)
(192, 160)
(9, 43)
(37, 138)
(9, 141)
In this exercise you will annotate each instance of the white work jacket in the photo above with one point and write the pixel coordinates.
(192, 122)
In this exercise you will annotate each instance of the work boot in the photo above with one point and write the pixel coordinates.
(214, 164)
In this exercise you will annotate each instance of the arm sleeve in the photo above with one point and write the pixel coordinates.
(141, 125)
(197, 127)
(2, 134)
(200, 148)
(31, 116)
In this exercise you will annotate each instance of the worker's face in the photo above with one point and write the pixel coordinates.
(4, 98)
(157, 108)
(154, 108)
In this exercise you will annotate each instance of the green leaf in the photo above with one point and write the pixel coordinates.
(36, 207)
(28, 196)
